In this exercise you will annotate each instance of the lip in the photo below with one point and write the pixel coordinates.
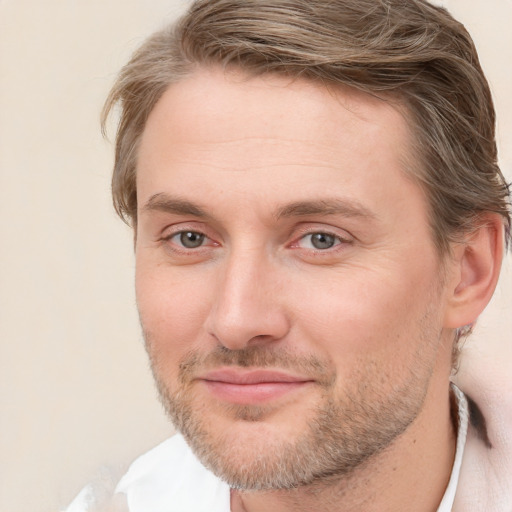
(253, 386)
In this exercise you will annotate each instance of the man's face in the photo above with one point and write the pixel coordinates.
(287, 283)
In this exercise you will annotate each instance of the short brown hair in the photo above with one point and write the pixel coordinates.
(407, 49)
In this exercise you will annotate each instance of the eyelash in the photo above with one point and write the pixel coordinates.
(336, 240)
(339, 241)
(180, 248)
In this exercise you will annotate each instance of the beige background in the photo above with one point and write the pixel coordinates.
(75, 390)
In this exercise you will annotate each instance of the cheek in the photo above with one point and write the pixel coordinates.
(173, 309)
(368, 315)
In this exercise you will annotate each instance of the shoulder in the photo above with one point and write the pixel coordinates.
(168, 478)
(486, 472)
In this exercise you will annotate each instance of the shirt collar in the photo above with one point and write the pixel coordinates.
(463, 421)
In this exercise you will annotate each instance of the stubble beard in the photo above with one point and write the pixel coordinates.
(344, 431)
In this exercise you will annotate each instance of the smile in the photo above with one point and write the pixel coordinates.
(251, 387)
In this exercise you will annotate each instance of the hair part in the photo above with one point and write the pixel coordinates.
(409, 50)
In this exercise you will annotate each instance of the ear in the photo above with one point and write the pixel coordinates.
(476, 268)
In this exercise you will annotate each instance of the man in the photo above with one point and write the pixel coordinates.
(319, 220)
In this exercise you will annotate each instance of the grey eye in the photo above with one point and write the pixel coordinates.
(191, 239)
(322, 240)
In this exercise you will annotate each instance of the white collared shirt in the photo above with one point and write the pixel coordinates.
(463, 416)
(169, 478)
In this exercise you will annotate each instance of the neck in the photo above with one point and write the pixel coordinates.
(410, 474)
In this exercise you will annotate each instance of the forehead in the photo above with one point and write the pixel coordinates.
(273, 104)
(256, 135)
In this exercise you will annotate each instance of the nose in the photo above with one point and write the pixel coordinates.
(248, 307)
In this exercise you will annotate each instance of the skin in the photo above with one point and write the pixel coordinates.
(255, 167)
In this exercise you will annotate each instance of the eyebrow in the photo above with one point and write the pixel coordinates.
(334, 206)
(164, 203)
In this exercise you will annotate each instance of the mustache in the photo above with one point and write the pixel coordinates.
(314, 367)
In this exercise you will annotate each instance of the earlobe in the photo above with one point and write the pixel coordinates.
(477, 264)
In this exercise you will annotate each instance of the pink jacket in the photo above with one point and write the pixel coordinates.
(485, 482)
